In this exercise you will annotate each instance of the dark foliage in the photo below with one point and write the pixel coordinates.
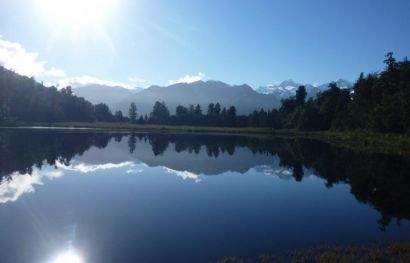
(378, 102)
(23, 100)
(380, 180)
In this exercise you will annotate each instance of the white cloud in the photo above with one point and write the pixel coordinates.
(11, 190)
(134, 171)
(14, 57)
(88, 80)
(87, 168)
(54, 72)
(184, 174)
(136, 80)
(188, 79)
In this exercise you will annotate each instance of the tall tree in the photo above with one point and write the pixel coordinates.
(217, 109)
(211, 109)
(197, 110)
(160, 113)
(301, 95)
(132, 112)
(102, 112)
(118, 116)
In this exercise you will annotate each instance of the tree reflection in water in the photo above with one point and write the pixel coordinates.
(379, 180)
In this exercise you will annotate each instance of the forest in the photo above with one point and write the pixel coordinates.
(377, 102)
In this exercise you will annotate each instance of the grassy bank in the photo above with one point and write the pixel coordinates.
(367, 141)
(378, 253)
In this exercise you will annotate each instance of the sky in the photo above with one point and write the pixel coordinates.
(146, 42)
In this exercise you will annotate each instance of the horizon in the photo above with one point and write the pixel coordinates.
(144, 43)
(78, 85)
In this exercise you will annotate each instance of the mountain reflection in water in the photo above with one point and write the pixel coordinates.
(29, 158)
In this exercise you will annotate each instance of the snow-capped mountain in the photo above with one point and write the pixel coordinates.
(288, 88)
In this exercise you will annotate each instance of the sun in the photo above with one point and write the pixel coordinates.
(77, 14)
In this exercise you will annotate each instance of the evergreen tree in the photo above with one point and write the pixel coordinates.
(132, 113)
(198, 111)
(211, 109)
(301, 95)
(217, 109)
(118, 116)
(160, 113)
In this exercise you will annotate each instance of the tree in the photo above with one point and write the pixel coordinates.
(118, 116)
(67, 91)
(389, 115)
(191, 109)
(181, 111)
(310, 118)
(333, 106)
(160, 113)
(231, 116)
(390, 61)
(217, 109)
(253, 119)
(301, 95)
(102, 112)
(263, 118)
(198, 111)
(211, 109)
(132, 112)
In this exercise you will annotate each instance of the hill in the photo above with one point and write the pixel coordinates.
(243, 97)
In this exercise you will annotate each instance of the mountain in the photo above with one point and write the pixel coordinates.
(288, 88)
(110, 95)
(243, 97)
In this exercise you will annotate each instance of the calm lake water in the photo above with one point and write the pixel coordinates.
(143, 197)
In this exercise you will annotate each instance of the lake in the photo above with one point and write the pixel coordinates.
(146, 197)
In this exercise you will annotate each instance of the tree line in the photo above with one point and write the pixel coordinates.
(377, 102)
(23, 100)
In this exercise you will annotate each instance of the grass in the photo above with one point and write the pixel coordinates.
(377, 253)
(363, 141)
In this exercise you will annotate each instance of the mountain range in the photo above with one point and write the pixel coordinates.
(288, 88)
(243, 97)
(110, 95)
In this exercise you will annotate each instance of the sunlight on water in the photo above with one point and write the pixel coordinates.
(195, 198)
(68, 257)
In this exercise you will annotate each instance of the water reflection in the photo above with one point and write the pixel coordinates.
(69, 256)
(16, 184)
(377, 179)
(31, 158)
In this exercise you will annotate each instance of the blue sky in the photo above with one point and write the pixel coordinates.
(144, 42)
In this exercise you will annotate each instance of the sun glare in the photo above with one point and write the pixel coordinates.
(68, 257)
(76, 14)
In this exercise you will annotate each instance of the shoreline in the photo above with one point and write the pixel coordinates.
(356, 140)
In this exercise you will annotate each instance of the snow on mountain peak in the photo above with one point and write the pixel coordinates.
(288, 88)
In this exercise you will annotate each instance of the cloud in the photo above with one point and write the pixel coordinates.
(134, 171)
(184, 174)
(54, 72)
(88, 168)
(188, 79)
(88, 80)
(14, 57)
(136, 80)
(18, 184)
